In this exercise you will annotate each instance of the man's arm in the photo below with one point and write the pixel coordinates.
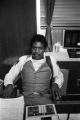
(14, 71)
(58, 78)
(11, 76)
(57, 74)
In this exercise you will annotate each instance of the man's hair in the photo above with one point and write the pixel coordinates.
(39, 38)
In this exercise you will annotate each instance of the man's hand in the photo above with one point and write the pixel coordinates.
(56, 92)
(8, 91)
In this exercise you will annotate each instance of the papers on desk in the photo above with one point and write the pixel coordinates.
(12, 108)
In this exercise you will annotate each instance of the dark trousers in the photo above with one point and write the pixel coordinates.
(38, 100)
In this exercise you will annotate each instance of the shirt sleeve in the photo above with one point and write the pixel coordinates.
(14, 71)
(57, 74)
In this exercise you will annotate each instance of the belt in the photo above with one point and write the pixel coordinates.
(42, 92)
(36, 93)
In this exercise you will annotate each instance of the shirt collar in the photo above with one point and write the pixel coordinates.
(37, 61)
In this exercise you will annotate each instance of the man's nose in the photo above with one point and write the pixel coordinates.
(37, 50)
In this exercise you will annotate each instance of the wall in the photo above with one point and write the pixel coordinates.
(17, 26)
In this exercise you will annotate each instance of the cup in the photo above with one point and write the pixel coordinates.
(57, 47)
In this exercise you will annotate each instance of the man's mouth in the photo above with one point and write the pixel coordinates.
(36, 55)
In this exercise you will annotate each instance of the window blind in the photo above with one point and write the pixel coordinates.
(66, 13)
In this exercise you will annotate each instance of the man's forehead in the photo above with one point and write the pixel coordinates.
(38, 44)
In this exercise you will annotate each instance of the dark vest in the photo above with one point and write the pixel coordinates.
(35, 81)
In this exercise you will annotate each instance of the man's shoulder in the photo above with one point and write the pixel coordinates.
(50, 55)
(24, 57)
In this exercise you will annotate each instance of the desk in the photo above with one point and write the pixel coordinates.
(68, 106)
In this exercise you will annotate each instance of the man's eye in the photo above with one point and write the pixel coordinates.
(41, 48)
(34, 48)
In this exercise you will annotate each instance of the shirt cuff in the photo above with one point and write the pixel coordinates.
(7, 83)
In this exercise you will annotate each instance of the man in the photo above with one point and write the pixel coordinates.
(36, 75)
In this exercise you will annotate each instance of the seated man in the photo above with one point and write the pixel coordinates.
(36, 75)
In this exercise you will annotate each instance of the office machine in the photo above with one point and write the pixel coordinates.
(41, 112)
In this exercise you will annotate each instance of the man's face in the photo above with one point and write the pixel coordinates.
(37, 51)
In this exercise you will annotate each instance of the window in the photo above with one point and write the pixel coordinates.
(38, 18)
(66, 13)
